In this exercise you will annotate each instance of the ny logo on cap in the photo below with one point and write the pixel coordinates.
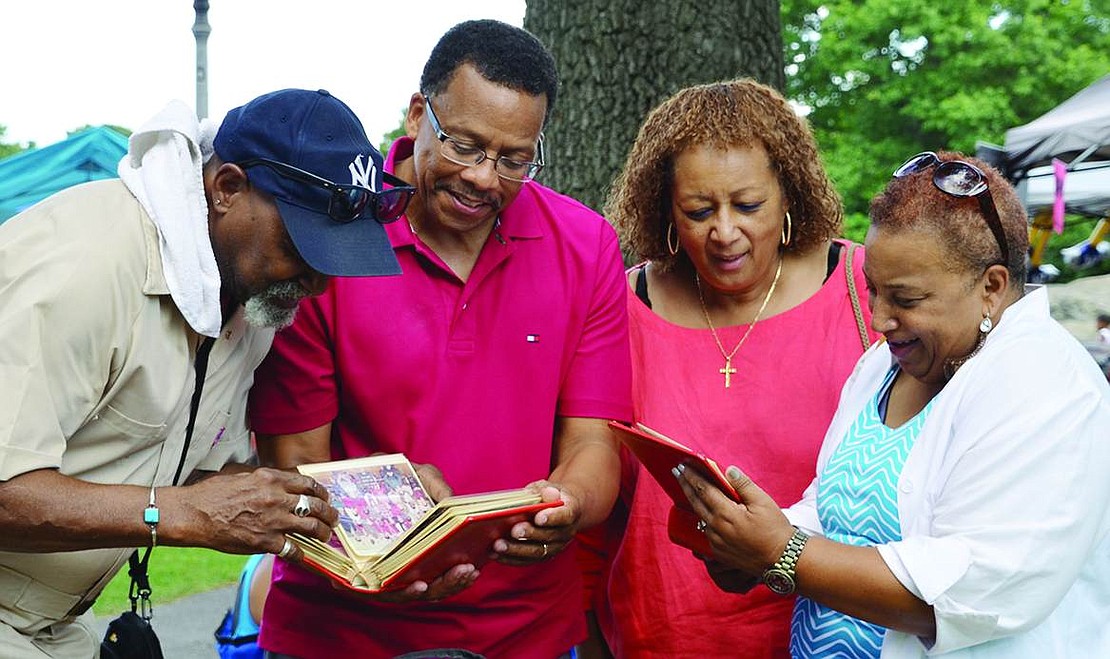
(364, 174)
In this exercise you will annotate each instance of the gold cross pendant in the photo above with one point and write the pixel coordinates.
(727, 371)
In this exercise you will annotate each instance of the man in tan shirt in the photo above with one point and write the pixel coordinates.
(114, 295)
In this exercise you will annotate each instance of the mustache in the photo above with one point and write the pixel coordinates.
(285, 290)
(470, 193)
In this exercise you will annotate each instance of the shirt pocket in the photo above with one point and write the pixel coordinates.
(218, 442)
(214, 432)
(115, 447)
(124, 424)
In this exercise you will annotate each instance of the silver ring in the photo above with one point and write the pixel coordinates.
(302, 508)
(544, 550)
(287, 549)
(701, 525)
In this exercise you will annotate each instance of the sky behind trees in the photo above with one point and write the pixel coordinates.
(71, 63)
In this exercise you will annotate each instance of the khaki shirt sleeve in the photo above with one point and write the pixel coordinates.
(65, 301)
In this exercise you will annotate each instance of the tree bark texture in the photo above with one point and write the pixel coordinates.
(617, 59)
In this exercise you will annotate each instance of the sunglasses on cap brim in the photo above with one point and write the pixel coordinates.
(347, 202)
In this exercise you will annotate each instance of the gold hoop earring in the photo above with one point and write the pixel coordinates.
(787, 232)
(672, 243)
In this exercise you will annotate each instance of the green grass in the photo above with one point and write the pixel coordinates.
(174, 573)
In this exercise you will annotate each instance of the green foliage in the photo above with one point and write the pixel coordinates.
(11, 149)
(388, 138)
(885, 79)
(126, 132)
(855, 226)
(174, 573)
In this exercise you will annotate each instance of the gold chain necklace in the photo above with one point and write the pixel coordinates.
(728, 370)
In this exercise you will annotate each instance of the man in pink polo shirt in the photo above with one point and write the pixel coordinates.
(497, 357)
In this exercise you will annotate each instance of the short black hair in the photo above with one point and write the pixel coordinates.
(1104, 318)
(502, 53)
(914, 202)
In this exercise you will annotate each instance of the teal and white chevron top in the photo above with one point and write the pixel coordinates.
(857, 503)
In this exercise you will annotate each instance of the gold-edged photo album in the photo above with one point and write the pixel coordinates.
(390, 531)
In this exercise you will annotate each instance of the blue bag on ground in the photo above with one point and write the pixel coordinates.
(237, 635)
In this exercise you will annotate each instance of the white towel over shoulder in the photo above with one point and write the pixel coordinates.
(162, 169)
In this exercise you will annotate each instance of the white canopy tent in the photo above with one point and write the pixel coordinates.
(1077, 132)
(1086, 189)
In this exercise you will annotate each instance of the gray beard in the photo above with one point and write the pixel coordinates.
(262, 310)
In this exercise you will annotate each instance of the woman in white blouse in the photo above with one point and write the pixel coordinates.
(962, 500)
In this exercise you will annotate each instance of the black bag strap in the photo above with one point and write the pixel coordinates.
(201, 367)
(139, 592)
(642, 286)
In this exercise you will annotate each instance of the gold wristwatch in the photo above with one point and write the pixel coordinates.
(780, 576)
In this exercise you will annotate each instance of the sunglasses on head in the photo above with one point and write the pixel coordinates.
(960, 179)
(347, 202)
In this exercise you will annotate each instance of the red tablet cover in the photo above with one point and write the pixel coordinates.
(660, 454)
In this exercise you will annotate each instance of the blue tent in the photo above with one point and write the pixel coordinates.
(30, 176)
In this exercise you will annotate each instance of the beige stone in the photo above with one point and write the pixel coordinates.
(1076, 304)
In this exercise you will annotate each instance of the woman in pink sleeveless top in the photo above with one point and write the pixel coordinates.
(743, 330)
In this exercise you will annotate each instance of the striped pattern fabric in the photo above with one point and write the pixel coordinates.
(857, 502)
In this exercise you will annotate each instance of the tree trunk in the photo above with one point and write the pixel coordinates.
(617, 59)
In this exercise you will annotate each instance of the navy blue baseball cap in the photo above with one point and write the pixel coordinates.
(283, 135)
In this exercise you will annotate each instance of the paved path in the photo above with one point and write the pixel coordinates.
(185, 626)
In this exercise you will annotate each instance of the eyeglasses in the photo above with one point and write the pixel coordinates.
(961, 179)
(461, 153)
(348, 202)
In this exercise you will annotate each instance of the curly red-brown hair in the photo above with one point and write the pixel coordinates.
(738, 113)
(914, 203)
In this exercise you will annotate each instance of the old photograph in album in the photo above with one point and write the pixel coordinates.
(390, 532)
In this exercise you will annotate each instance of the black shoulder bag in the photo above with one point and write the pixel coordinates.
(130, 636)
